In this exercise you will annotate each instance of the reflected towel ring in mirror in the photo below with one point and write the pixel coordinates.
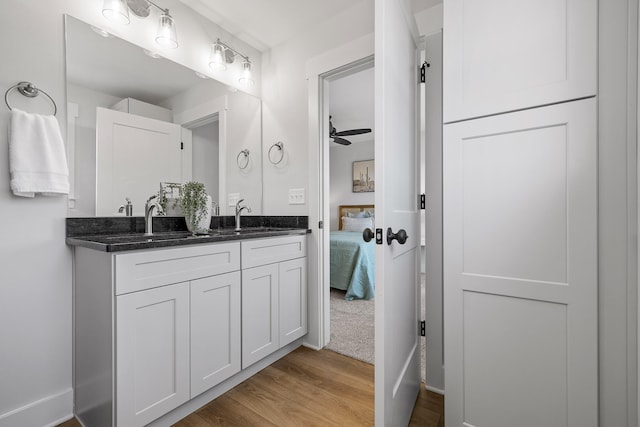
(280, 146)
(244, 162)
(30, 91)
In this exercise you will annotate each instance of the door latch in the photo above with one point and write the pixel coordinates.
(378, 236)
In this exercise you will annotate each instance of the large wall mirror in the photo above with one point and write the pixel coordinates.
(136, 121)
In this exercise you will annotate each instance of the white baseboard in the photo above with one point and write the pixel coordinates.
(48, 412)
(433, 389)
(311, 346)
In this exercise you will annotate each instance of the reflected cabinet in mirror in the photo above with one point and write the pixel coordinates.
(136, 121)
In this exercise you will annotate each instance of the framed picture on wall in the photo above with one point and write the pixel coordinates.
(364, 176)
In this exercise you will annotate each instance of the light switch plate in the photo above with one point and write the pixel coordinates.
(233, 198)
(296, 196)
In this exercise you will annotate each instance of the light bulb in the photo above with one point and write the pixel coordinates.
(116, 11)
(217, 58)
(166, 36)
(246, 79)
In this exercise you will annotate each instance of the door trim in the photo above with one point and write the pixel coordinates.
(319, 70)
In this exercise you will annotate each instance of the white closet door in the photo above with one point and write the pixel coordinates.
(133, 155)
(520, 295)
(505, 55)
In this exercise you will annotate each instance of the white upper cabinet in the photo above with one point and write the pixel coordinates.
(505, 55)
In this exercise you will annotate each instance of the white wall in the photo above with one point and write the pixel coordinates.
(341, 160)
(35, 291)
(284, 95)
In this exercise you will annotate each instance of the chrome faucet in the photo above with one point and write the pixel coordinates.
(148, 214)
(239, 210)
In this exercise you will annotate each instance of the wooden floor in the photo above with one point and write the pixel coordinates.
(306, 388)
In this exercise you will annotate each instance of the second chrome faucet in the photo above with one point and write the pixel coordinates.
(239, 209)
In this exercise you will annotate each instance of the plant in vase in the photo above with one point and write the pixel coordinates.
(196, 207)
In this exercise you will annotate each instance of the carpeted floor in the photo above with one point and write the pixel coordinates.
(353, 328)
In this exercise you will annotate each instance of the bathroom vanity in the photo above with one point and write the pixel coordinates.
(167, 323)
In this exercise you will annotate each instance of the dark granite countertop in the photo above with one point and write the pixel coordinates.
(109, 234)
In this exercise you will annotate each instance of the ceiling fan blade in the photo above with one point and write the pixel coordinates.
(341, 141)
(352, 132)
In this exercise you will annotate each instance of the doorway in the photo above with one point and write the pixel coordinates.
(351, 163)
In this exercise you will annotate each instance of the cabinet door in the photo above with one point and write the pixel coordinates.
(292, 300)
(259, 313)
(520, 268)
(152, 353)
(215, 330)
(504, 55)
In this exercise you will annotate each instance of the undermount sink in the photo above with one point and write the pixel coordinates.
(247, 230)
(133, 238)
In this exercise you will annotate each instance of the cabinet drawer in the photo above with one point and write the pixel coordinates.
(149, 269)
(267, 251)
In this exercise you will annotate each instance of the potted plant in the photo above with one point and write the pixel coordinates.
(196, 207)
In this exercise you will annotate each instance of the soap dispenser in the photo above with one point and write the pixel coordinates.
(128, 208)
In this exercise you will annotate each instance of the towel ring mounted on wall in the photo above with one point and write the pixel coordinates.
(30, 91)
(244, 162)
(280, 146)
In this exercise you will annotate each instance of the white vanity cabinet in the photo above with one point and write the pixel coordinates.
(153, 329)
(274, 295)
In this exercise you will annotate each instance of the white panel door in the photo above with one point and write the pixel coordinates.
(259, 313)
(397, 175)
(292, 300)
(133, 155)
(505, 55)
(520, 267)
(215, 330)
(152, 353)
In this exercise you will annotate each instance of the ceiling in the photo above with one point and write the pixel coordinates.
(351, 104)
(266, 24)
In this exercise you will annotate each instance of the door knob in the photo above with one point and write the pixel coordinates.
(367, 234)
(400, 236)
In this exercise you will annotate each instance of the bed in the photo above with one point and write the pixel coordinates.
(352, 259)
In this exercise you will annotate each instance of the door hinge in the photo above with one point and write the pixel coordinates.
(423, 201)
(378, 236)
(181, 145)
(320, 224)
(423, 71)
(423, 328)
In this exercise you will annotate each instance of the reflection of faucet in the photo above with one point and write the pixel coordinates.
(239, 210)
(148, 215)
(128, 207)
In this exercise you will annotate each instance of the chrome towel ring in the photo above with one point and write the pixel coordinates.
(30, 91)
(280, 146)
(244, 162)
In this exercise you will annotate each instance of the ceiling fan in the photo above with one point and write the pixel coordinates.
(337, 136)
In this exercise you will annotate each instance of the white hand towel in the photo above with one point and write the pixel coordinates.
(37, 160)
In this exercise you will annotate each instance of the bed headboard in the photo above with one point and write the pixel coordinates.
(352, 209)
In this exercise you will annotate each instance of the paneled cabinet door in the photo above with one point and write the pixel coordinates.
(292, 295)
(501, 55)
(215, 330)
(520, 266)
(259, 313)
(152, 353)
